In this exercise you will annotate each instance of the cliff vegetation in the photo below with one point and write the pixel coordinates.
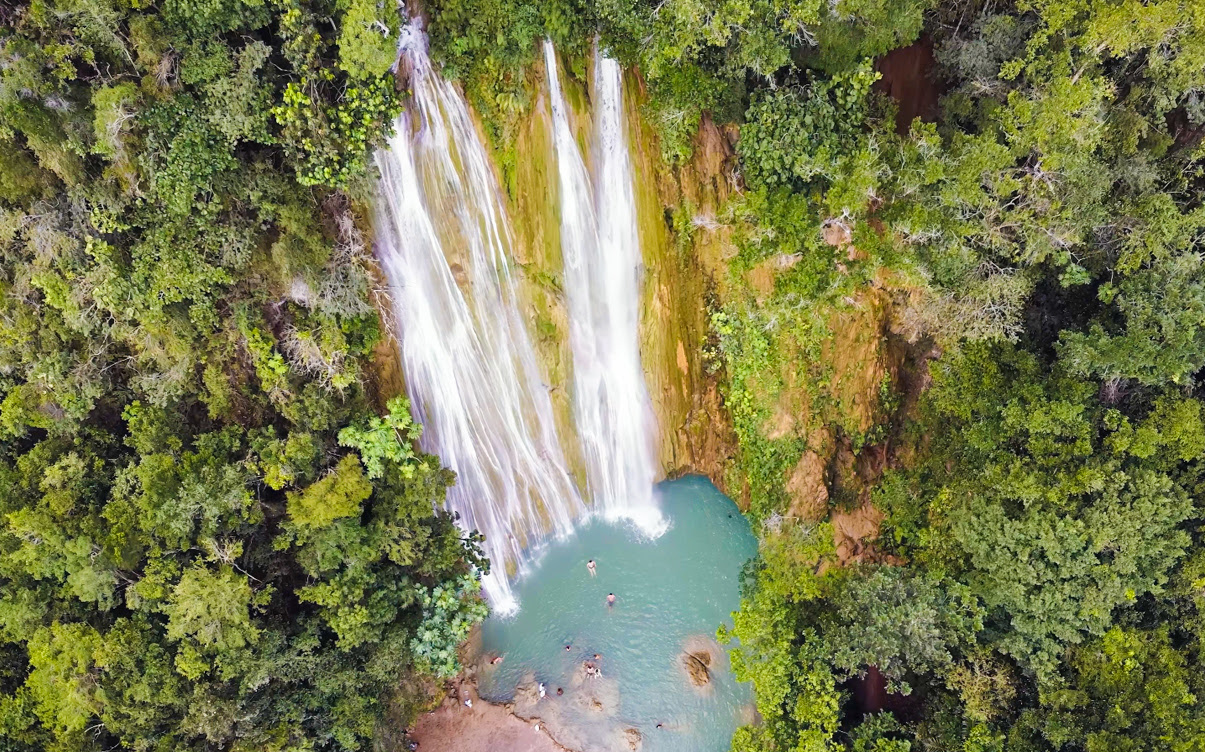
(942, 262)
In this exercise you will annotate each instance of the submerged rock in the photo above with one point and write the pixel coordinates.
(583, 719)
(702, 659)
(698, 665)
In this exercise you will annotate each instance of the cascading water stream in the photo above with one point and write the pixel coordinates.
(471, 371)
(600, 250)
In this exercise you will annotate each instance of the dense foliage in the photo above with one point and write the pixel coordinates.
(208, 540)
(696, 57)
(989, 326)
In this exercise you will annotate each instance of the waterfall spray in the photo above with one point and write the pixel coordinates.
(471, 372)
(600, 248)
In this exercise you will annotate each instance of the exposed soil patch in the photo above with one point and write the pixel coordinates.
(854, 533)
(857, 357)
(808, 489)
(763, 274)
(870, 695)
(1186, 134)
(908, 78)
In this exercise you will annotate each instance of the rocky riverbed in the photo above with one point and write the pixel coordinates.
(480, 726)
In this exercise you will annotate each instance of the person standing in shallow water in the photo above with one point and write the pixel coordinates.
(610, 599)
(590, 566)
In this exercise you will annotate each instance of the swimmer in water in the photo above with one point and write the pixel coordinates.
(495, 660)
(597, 657)
(590, 566)
(560, 691)
(568, 648)
(610, 599)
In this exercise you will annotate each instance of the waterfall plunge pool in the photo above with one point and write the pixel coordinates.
(671, 595)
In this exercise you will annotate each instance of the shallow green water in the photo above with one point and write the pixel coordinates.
(680, 586)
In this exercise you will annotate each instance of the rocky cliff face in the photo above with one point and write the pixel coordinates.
(533, 195)
(687, 248)
(684, 256)
(681, 273)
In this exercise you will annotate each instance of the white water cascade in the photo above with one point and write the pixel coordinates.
(600, 249)
(471, 372)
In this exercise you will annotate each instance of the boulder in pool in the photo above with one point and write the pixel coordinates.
(698, 667)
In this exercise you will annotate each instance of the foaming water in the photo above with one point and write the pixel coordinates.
(471, 371)
(602, 265)
(671, 595)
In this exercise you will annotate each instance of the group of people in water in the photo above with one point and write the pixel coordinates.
(592, 568)
(591, 668)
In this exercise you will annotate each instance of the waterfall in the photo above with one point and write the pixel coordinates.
(471, 371)
(600, 249)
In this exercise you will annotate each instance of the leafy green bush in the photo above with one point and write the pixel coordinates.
(190, 558)
(793, 137)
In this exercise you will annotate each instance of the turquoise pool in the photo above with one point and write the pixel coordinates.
(671, 595)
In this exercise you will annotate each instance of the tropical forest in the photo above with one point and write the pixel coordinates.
(602, 375)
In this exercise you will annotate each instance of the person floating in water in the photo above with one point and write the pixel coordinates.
(610, 599)
(590, 566)
(495, 660)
